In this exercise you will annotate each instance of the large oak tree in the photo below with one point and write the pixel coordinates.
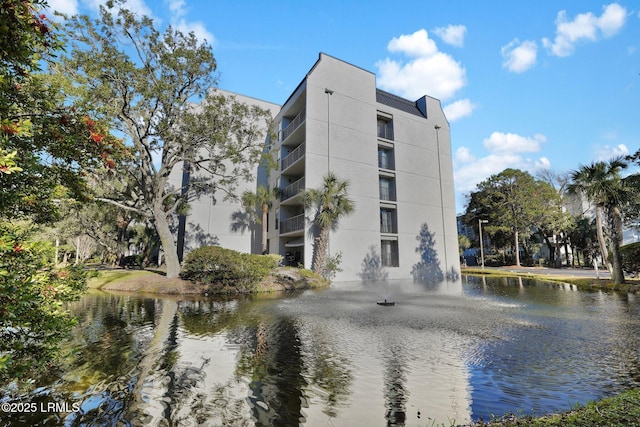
(146, 84)
(514, 200)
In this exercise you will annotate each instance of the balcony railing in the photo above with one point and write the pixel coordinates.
(293, 156)
(293, 124)
(295, 223)
(292, 189)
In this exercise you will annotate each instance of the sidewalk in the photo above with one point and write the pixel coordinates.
(570, 272)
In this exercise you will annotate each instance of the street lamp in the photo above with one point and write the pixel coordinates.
(329, 92)
(480, 222)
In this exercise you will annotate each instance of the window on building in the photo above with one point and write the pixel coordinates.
(389, 253)
(277, 218)
(385, 158)
(385, 128)
(388, 221)
(387, 188)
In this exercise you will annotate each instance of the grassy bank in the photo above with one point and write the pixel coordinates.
(155, 282)
(583, 283)
(622, 410)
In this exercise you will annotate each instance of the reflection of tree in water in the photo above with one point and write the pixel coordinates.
(328, 371)
(207, 317)
(372, 269)
(427, 271)
(395, 392)
(218, 408)
(272, 360)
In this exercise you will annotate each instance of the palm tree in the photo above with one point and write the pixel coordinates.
(261, 201)
(332, 203)
(603, 186)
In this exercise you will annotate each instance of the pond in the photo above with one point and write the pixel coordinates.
(447, 354)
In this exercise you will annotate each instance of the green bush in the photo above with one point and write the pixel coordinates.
(631, 258)
(220, 267)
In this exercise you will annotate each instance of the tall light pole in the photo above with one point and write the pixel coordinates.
(480, 222)
(329, 92)
(444, 233)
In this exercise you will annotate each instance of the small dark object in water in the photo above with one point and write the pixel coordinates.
(385, 302)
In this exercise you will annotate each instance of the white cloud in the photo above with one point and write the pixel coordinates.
(452, 34)
(198, 29)
(177, 7)
(468, 174)
(463, 155)
(68, 7)
(608, 152)
(138, 7)
(458, 109)
(427, 72)
(505, 151)
(543, 163)
(500, 142)
(585, 27)
(519, 57)
(469, 170)
(612, 19)
(417, 44)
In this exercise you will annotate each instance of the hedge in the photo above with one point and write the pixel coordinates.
(220, 267)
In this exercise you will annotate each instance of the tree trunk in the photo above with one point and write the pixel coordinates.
(320, 259)
(603, 245)
(168, 244)
(517, 247)
(615, 229)
(552, 250)
(566, 251)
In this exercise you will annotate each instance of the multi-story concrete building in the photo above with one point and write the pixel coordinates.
(216, 220)
(395, 154)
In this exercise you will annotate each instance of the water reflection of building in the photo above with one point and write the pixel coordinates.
(395, 153)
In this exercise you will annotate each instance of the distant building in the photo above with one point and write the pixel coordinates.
(396, 155)
(212, 220)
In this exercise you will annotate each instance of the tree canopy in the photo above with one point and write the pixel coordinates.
(603, 185)
(47, 147)
(513, 200)
(331, 203)
(146, 83)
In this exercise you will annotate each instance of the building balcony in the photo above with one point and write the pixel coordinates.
(294, 124)
(292, 190)
(292, 225)
(293, 157)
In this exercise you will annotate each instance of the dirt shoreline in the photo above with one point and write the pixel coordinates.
(155, 282)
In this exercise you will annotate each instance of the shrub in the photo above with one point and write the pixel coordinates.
(631, 258)
(220, 267)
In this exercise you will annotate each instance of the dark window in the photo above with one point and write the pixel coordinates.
(385, 158)
(385, 128)
(389, 253)
(388, 221)
(387, 189)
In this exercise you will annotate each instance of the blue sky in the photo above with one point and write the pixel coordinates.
(525, 84)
